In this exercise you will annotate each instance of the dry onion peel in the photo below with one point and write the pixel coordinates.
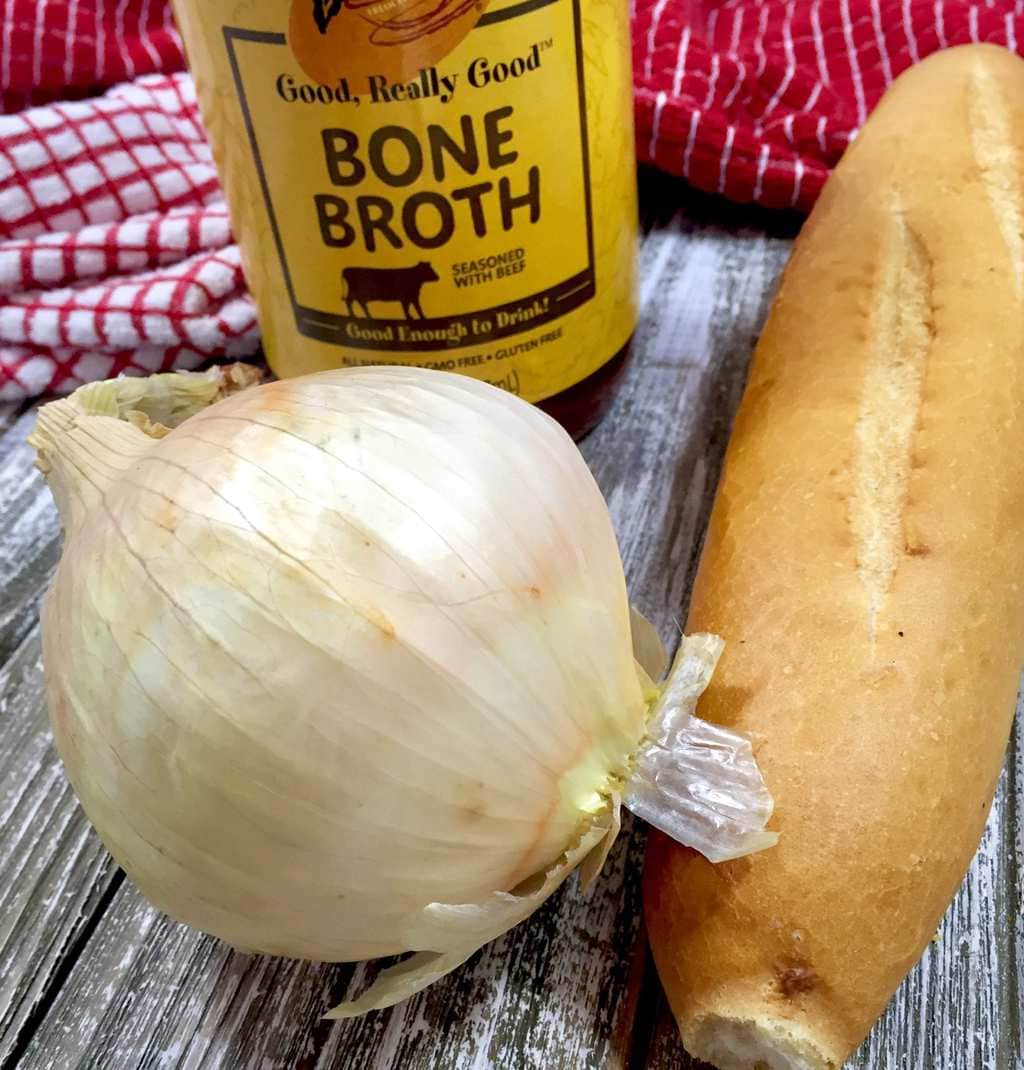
(463, 929)
(343, 667)
(696, 781)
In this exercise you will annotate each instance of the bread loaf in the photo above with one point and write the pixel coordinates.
(865, 564)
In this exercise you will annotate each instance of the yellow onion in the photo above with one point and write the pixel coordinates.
(342, 667)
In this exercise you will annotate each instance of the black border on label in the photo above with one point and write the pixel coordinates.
(329, 327)
(488, 18)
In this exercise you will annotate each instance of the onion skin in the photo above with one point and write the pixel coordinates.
(333, 650)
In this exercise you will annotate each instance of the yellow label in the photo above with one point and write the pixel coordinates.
(433, 182)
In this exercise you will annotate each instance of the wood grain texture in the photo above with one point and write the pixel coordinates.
(92, 977)
(53, 873)
(29, 531)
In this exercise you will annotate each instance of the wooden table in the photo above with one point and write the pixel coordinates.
(91, 976)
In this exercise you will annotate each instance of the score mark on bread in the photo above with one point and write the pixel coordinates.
(901, 333)
(998, 160)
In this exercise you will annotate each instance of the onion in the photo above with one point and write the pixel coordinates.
(342, 667)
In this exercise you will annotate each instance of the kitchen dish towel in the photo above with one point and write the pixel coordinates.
(116, 252)
(757, 101)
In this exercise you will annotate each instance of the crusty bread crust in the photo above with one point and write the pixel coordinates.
(865, 563)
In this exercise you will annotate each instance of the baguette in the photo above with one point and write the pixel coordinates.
(865, 563)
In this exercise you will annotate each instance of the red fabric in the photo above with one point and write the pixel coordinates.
(758, 100)
(59, 49)
(116, 252)
(115, 249)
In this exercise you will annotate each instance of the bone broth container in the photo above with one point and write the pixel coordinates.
(442, 183)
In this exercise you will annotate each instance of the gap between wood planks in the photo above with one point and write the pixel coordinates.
(75, 945)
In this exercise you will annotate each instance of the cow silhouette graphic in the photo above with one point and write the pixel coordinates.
(363, 285)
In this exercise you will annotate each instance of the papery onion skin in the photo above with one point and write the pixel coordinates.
(335, 649)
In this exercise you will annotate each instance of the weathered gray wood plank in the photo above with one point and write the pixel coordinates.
(9, 412)
(29, 543)
(54, 874)
(559, 990)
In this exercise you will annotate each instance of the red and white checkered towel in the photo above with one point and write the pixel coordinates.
(116, 252)
(115, 249)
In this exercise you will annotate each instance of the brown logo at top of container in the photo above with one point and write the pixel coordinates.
(324, 11)
(393, 39)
